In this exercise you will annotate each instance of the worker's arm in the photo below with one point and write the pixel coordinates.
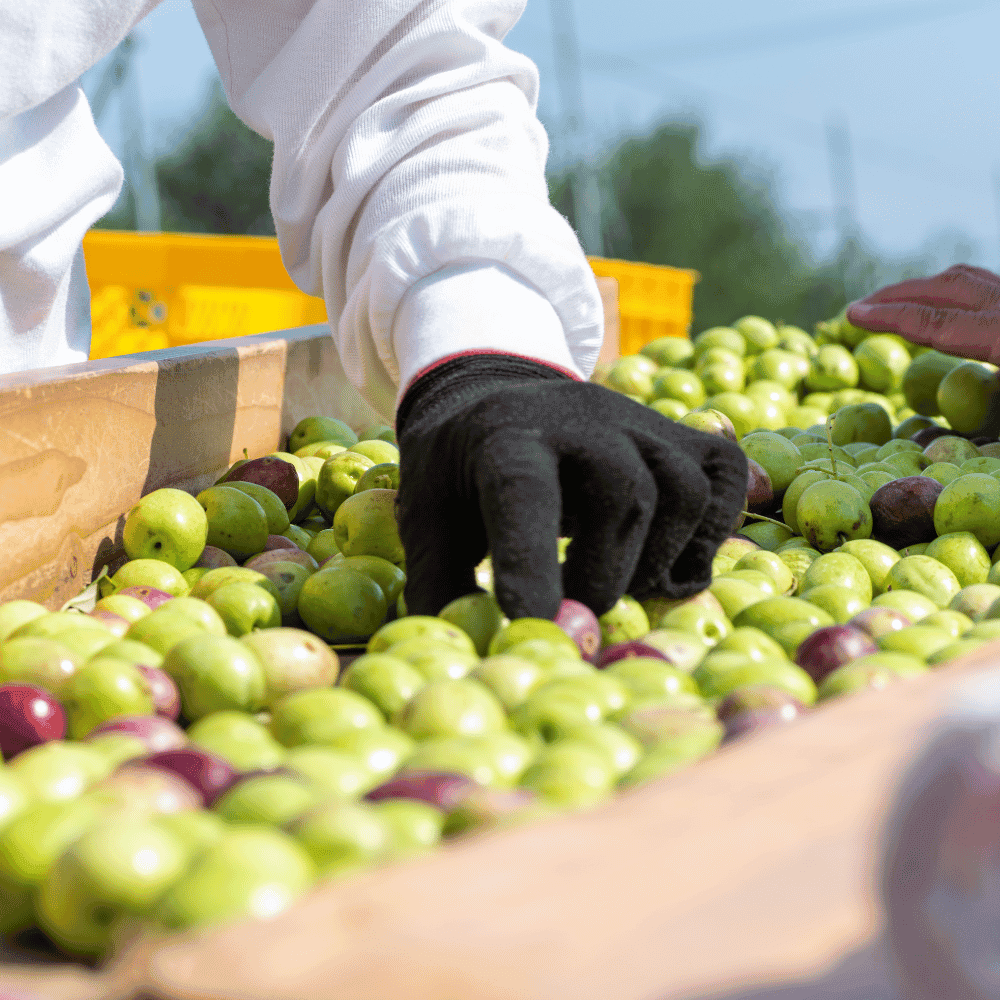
(409, 189)
(406, 143)
(956, 312)
(57, 175)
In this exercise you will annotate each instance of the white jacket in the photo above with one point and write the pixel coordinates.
(408, 185)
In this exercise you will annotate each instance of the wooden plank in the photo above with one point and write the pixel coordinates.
(610, 349)
(80, 445)
(749, 877)
(43, 982)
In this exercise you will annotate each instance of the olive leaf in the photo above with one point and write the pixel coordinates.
(84, 601)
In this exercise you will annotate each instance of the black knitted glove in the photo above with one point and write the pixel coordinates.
(503, 454)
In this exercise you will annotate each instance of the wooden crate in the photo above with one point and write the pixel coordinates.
(155, 290)
(750, 870)
(654, 301)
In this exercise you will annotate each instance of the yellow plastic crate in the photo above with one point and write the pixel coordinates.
(156, 290)
(653, 301)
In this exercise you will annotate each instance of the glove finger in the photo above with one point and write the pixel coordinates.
(518, 482)
(444, 542)
(701, 484)
(960, 287)
(701, 491)
(953, 331)
(610, 497)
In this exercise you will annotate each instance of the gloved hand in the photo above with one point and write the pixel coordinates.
(956, 312)
(503, 454)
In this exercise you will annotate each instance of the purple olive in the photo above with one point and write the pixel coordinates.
(582, 626)
(142, 790)
(163, 689)
(624, 650)
(443, 789)
(760, 492)
(903, 511)
(831, 646)
(155, 731)
(753, 720)
(759, 698)
(278, 542)
(115, 624)
(756, 707)
(876, 621)
(275, 473)
(924, 436)
(149, 596)
(208, 774)
(295, 555)
(213, 557)
(29, 715)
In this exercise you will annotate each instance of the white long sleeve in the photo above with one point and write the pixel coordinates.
(57, 175)
(46, 205)
(407, 157)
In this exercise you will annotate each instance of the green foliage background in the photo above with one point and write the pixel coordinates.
(662, 204)
(214, 181)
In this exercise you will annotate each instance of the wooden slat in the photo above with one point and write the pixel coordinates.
(611, 348)
(80, 445)
(748, 876)
(25, 982)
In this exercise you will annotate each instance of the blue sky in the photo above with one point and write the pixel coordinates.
(916, 83)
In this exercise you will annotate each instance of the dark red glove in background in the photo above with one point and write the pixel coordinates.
(956, 312)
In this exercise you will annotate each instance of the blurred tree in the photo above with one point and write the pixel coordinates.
(669, 207)
(215, 181)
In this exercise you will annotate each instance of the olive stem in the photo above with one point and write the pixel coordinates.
(761, 517)
(829, 443)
